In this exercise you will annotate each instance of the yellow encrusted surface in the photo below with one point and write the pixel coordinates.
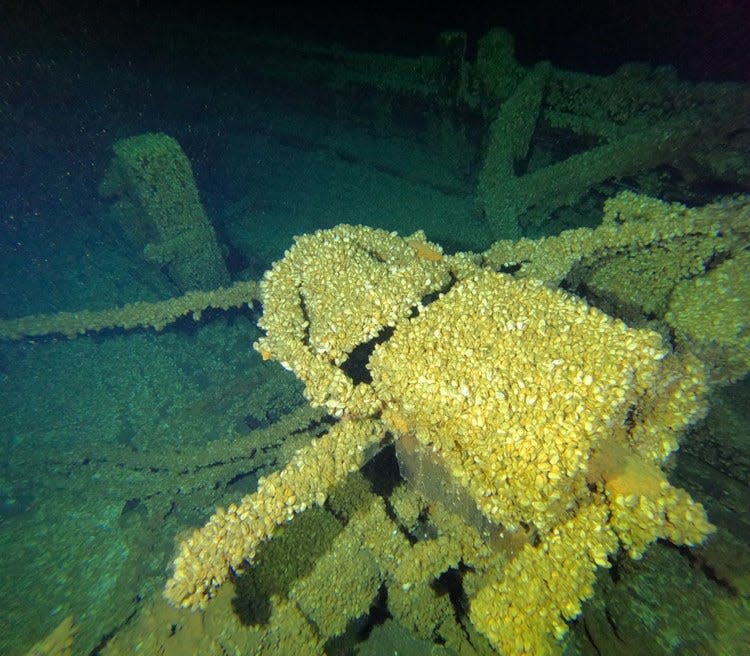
(336, 289)
(525, 610)
(633, 225)
(232, 535)
(513, 384)
(342, 585)
(552, 416)
(711, 317)
(141, 314)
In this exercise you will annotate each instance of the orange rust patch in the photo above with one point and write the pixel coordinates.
(425, 251)
(399, 422)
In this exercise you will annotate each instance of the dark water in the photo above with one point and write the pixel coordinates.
(97, 433)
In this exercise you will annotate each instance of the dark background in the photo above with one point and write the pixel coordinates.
(704, 40)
